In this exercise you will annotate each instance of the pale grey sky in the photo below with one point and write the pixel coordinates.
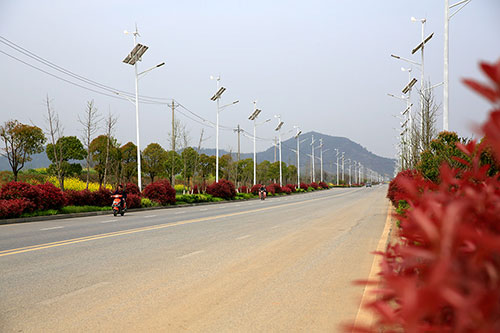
(322, 65)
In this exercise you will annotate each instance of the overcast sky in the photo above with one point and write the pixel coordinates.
(322, 65)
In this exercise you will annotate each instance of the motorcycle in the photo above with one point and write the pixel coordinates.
(262, 195)
(117, 205)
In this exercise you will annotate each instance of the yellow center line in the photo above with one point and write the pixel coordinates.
(149, 228)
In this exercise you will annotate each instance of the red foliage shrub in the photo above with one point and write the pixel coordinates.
(286, 190)
(314, 185)
(132, 188)
(273, 188)
(304, 186)
(223, 189)
(195, 189)
(243, 189)
(12, 208)
(255, 189)
(78, 198)
(51, 197)
(102, 197)
(133, 201)
(20, 190)
(396, 192)
(323, 185)
(160, 192)
(444, 275)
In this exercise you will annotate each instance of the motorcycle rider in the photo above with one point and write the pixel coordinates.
(123, 193)
(262, 191)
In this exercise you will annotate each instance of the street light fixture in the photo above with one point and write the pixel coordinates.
(131, 59)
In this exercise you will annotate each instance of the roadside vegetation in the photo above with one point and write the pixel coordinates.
(443, 274)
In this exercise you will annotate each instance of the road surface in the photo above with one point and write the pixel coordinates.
(281, 265)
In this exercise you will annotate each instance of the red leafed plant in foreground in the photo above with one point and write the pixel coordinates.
(444, 275)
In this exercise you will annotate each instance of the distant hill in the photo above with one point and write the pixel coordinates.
(38, 161)
(353, 150)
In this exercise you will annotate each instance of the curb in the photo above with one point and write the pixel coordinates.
(106, 212)
(364, 317)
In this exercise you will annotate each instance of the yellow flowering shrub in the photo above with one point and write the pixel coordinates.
(180, 187)
(76, 184)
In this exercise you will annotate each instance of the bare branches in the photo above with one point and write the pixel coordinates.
(90, 123)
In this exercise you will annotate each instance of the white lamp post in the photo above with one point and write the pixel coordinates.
(447, 18)
(297, 136)
(253, 117)
(278, 129)
(336, 149)
(132, 59)
(343, 166)
(216, 98)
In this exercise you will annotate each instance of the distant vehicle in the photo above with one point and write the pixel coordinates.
(368, 184)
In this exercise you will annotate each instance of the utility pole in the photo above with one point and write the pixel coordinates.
(173, 142)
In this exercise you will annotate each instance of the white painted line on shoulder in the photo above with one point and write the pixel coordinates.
(108, 221)
(190, 254)
(243, 237)
(52, 228)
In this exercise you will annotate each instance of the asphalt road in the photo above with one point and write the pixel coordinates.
(284, 264)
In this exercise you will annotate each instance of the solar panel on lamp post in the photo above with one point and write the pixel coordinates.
(132, 58)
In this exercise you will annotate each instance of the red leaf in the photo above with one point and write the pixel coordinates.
(483, 90)
(492, 70)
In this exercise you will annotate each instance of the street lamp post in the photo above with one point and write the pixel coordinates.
(337, 150)
(132, 58)
(253, 117)
(343, 167)
(216, 97)
(312, 159)
(278, 129)
(297, 136)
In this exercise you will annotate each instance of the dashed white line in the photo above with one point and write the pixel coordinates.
(177, 213)
(276, 226)
(73, 293)
(243, 237)
(52, 228)
(148, 216)
(108, 221)
(203, 209)
(190, 254)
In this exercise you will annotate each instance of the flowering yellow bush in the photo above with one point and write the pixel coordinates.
(180, 187)
(76, 184)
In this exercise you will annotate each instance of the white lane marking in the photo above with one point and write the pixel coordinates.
(177, 213)
(237, 205)
(73, 293)
(108, 221)
(276, 226)
(147, 216)
(203, 209)
(221, 207)
(190, 254)
(52, 228)
(243, 237)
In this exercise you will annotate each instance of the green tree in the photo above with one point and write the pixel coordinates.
(153, 159)
(441, 150)
(21, 141)
(102, 156)
(66, 148)
(245, 171)
(206, 166)
(262, 172)
(189, 158)
(128, 160)
(291, 174)
(226, 166)
(173, 164)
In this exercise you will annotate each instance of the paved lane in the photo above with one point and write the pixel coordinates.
(280, 265)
